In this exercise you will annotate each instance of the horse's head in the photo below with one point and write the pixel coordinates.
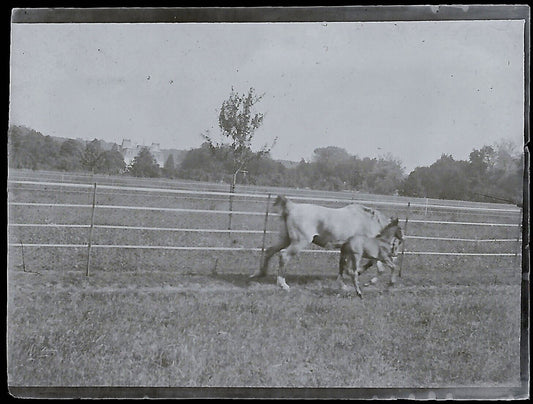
(281, 200)
(281, 203)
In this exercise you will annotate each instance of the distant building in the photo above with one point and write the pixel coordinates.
(129, 152)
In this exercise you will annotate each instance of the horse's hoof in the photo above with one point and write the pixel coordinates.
(343, 286)
(282, 284)
(258, 274)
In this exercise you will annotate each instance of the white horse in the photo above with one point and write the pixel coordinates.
(304, 223)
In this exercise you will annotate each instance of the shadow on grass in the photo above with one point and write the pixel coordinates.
(318, 285)
(244, 280)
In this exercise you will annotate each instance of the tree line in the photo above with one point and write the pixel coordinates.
(28, 148)
(491, 173)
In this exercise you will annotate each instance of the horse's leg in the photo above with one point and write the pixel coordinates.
(355, 275)
(284, 258)
(380, 267)
(269, 252)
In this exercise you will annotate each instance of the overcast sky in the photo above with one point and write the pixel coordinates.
(412, 89)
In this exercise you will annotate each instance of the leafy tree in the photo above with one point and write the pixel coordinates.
(20, 154)
(415, 184)
(238, 123)
(506, 156)
(446, 178)
(330, 155)
(70, 155)
(329, 158)
(449, 180)
(97, 160)
(144, 164)
(169, 168)
(481, 160)
(92, 155)
(49, 152)
(28, 148)
(386, 175)
(203, 163)
(112, 162)
(265, 171)
(71, 147)
(504, 178)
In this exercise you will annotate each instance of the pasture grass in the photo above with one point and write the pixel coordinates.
(192, 318)
(161, 329)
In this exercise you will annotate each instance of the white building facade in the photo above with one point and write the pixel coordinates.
(129, 152)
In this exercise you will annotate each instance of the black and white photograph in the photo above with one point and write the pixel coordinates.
(269, 202)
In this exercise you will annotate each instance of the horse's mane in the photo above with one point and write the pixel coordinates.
(378, 216)
(369, 210)
(374, 213)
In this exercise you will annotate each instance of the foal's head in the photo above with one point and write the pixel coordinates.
(392, 230)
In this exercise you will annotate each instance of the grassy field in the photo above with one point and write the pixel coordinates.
(193, 318)
(157, 329)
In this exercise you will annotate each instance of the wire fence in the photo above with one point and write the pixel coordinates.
(120, 190)
(264, 196)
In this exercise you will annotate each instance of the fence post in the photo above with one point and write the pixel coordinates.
(231, 191)
(404, 232)
(518, 244)
(91, 233)
(264, 231)
(22, 252)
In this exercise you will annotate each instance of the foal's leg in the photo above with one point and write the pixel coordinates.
(343, 262)
(366, 266)
(389, 262)
(369, 263)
